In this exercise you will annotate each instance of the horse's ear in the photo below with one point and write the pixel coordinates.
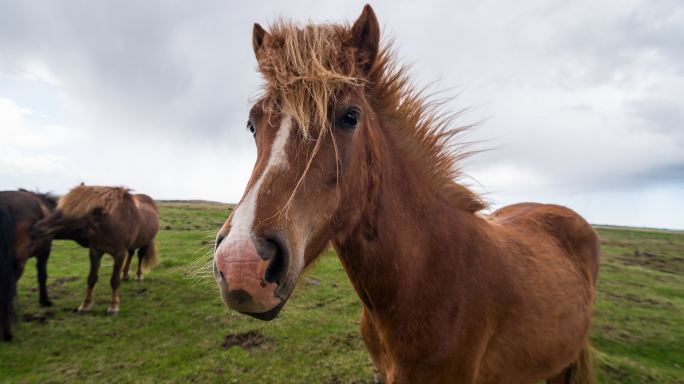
(365, 37)
(259, 38)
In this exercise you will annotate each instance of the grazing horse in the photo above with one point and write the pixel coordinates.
(113, 223)
(144, 241)
(19, 211)
(349, 153)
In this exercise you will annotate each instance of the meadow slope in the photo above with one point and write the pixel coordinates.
(173, 328)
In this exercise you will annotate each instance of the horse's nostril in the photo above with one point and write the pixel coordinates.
(267, 249)
(277, 268)
(219, 239)
(220, 277)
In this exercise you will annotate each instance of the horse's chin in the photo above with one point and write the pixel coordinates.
(268, 315)
(283, 294)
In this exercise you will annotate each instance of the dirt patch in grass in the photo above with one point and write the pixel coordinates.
(351, 339)
(654, 261)
(247, 340)
(41, 318)
(61, 280)
(636, 299)
(609, 331)
(338, 380)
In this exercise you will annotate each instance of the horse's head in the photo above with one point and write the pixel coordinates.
(57, 225)
(49, 226)
(84, 210)
(311, 128)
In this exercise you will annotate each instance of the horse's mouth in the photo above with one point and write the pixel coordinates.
(268, 315)
(253, 275)
(235, 303)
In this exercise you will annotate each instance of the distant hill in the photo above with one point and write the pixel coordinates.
(201, 202)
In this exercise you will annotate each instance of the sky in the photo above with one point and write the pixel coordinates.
(578, 103)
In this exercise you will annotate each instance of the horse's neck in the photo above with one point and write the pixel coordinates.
(419, 246)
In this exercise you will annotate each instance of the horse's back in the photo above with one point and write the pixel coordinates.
(146, 200)
(23, 205)
(550, 255)
(567, 228)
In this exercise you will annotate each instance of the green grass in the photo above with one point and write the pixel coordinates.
(173, 327)
(639, 323)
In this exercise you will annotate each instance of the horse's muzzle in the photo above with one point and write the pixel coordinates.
(38, 233)
(248, 276)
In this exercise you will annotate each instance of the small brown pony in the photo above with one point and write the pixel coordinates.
(115, 222)
(349, 152)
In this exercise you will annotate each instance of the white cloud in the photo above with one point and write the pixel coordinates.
(11, 115)
(580, 100)
(25, 146)
(16, 163)
(509, 176)
(38, 71)
(19, 129)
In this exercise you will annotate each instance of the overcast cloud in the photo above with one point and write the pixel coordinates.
(581, 103)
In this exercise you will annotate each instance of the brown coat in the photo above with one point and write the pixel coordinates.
(349, 152)
(114, 221)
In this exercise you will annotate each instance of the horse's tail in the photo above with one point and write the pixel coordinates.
(150, 258)
(8, 271)
(582, 370)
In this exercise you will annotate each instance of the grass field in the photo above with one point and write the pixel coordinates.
(173, 328)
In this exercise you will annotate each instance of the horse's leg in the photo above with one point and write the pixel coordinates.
(6, 330)
(142, 253)
(376, 350)
(7, 314)
(465, 363)
(116, 282)
(6, 301)
(9, 265)
(95, 257)
(127, 264)
(41, 266)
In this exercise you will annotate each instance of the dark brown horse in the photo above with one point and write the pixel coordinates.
(19, 211)
(349, 152)
(113, 223)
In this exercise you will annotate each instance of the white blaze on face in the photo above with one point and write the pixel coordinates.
(243, 217)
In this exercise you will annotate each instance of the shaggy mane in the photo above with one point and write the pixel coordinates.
(307, 68)
(428, 131)
(48, 198)
(81, 200)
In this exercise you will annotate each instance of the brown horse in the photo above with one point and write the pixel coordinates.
(144, 241)
(112, 220)
(349, 152)
(19, 211)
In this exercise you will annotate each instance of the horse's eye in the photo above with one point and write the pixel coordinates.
(350, 118)
(251, 128)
